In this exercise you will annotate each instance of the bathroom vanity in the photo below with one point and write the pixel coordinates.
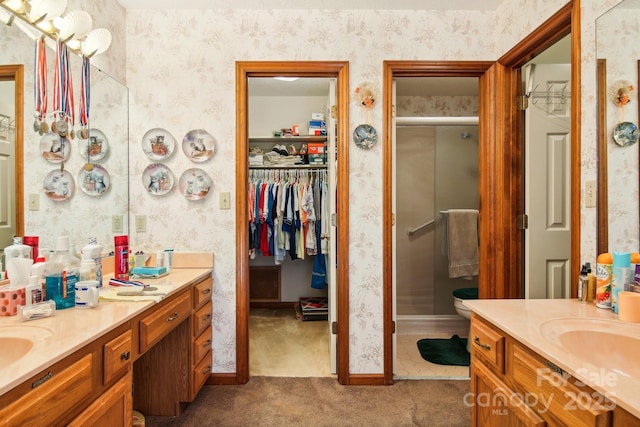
(85, 367)
(552, 362)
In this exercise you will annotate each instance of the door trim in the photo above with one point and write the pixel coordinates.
(563, 22)
(15, 73)
(330, 69)
(392, 70)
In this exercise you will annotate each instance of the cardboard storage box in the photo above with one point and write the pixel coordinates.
(315, 148)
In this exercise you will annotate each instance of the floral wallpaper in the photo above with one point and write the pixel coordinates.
(617, 42)
(179, 66)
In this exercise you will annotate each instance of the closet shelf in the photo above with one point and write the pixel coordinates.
(289, 167)
(284, 139)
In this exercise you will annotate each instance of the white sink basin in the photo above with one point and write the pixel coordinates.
(17, 340)
(603, 343)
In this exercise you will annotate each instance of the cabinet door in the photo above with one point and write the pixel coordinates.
(493, 404)
(113, 408)
(53, 396)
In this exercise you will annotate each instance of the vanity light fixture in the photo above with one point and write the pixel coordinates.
(45, 16)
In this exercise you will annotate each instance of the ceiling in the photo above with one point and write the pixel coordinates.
(314, 4)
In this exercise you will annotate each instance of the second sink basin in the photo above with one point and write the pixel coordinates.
(603, 343)
(17, 340)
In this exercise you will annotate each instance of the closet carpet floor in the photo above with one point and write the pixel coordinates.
(280, 345)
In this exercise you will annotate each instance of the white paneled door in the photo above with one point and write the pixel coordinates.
(548, 182)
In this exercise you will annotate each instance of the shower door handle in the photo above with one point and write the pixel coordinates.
(412, 231)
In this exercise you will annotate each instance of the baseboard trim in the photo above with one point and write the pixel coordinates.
(366, 379)
(222, 379)
(436, 324)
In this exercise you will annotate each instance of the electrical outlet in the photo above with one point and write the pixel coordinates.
(141, 223)
(225, 200)
(116, 223)
(591, 194)
(34, 202)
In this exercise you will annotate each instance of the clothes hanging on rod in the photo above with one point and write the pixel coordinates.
(286, 209)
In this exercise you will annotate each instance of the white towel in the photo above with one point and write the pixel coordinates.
(462, 236)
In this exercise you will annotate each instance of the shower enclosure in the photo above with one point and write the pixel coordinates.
(436, 170)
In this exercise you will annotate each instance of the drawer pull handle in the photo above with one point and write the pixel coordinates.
(174, 317)
(206, 370)
(206, 344)
(39, 381)
(206, 291)
(125, 356)
(476, 340)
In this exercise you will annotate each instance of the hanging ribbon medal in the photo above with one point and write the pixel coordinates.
(40, 87)
(85, 97)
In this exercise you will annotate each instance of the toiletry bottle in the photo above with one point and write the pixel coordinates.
(591, 284)
(33, 291)
(121, 257)
(583, 282)
(61, 275)
(622, 276)
(17, 249)
(93, 251)
(37, 269)
(604, 273)
(132, 261)
(33, 242)
(88, 270)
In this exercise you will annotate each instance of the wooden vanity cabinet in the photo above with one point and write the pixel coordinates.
(175, 352)
(156, 362)
(58, 394)
(511, 385)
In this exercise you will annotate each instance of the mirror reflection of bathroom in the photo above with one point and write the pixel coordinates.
(436, 180)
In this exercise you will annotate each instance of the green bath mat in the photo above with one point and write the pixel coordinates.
(443, 351)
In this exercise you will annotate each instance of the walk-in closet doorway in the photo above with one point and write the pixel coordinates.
(273, 272)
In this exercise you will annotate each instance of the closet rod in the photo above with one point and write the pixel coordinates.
(437, 121)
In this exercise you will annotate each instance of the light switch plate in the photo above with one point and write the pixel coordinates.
(116, 223)
(225, 200)
(34, 202)
(141, 223)
(591, 194)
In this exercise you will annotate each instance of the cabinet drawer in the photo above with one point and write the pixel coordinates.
(200, 374)
(202, 345)
(202, 292)
(117, 356)
(159, 323)
(202, 319)
(559, 396)
(52, 397)
(487, 343)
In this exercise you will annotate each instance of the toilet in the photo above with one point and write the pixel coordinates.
(459, 295)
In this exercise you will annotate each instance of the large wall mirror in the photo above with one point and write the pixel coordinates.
(95, 196)
(618, 54)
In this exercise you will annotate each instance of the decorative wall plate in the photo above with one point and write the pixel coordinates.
(625, 134)
(54, 148)
(96, 147)
(158, 144)
(58, 185)
(198, 145)
(365, 136)
(157, 179)
(94, 182)
(194, 184)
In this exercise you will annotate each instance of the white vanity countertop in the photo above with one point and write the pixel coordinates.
(525, 319)
(73, 328)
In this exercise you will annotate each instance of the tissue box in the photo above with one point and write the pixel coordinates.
(10, 299)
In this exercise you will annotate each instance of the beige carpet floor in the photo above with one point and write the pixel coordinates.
(322, 402)
(280, 345)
